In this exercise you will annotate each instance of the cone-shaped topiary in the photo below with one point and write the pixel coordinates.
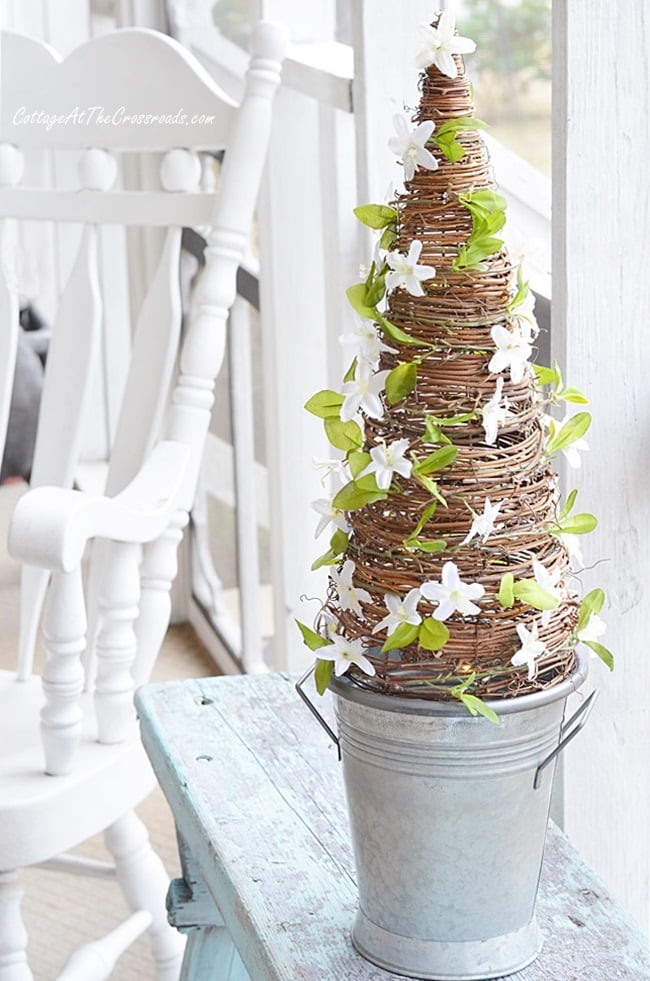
(451, 575)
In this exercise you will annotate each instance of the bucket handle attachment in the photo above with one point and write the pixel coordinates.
(314, 711)
(567, 733)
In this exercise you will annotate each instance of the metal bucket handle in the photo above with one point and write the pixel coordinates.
(567, 733)
(314, 711)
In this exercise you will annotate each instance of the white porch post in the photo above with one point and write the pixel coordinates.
(601, 299)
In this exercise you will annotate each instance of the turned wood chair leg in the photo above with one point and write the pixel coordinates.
(144, 882)
(13, 935)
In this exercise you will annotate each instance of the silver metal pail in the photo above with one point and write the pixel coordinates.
(448, 815)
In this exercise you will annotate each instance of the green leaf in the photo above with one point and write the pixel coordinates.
(426, 515)
(573, 429)
(401, 637)
(375, 215)
(456, 420)
(376, 291)
(395, 333)
(351, 372)
(326, 404)
(339, 541)
(546, 376)
(357, 294)
(433, 634)
(506, 595)
(344, 436)
(473, 253)
(519, 297)
(423, 545)
(432, 487)
(460, 124)
(358, 461)
(449, 146)
(529, 591)
(591, 603)
(388, 239)
(570, 501)
(330, 557)
(602, 652)
(484, 201)
(579, 524)
(433, 433)
(401, 382)
(322, 675)
(572, 395)
(313, 640)
(352, 497)
(435, 461)
(477, 706)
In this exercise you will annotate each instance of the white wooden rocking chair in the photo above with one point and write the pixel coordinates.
(70, 760)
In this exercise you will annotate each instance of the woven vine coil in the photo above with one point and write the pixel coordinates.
(452, 324)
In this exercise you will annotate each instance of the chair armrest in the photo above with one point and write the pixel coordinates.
(51, 526)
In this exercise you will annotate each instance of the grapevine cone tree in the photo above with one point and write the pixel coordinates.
(450, 572)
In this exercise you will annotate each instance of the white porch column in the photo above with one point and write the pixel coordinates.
(601, 303)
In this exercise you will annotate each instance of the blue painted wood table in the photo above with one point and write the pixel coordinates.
(268, 890)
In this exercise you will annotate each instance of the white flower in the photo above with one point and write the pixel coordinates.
(494, 413)
(483, 524)
(405, 270)
(525, 316)
(387, 460)
(572, 545)
(400, 611)
(452, 594)
(350, 598)
(528, 253)
(531, 648)
(329, 515)
(344, 652)
(335, 468)
(365, 342)
(548, 581)
(593, 629)
(572, 452)
(513, 351)
(441, 43)
(363, 393)
(409, 145)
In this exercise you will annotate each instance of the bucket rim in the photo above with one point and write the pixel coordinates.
(346, 688)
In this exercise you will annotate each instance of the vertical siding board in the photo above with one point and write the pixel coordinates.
(601, 297)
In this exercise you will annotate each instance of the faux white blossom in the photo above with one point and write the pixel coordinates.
(531, 649)
(387, 460)
(364, 342)
(548, 581)
(329, 515)
(572, 545)
(350, 597)
(494, 412)
(483, 524)
(529, 253)
(363, 393)
(572, 453)
(593, 629)
(344, 652)
(406, 271)
(452, 594)
(525, 315)
(400, 611)
(409, 145)
(336, 468)
(513, 352)
(441, 43)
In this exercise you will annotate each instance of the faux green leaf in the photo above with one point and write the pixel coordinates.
(351, 497)
(351, 372)
(322, 675)
(437, 460)
(357, 294)
(529, 591)
(449, 145)
(358, 461)
(591, 603)
(330, 557)
(546, 376)
(375, 215)
(572, 395)
(426, 515)
(404, 635)
(602, 652)
(326, 404)
(401, 382)
(484, 201)
(573, 429)
(395, 333)
(339, 541)
(313, 640)
(433, 433)
(432, 487)
(519, 297)
(471, 255)
(570, 501)
(344, 436)
(506, 595)
(460, 124)
(423, 545)
(433, 634)
(456, 420)
(376, 291)
(579, 524)
(478, 707)
(388, 239)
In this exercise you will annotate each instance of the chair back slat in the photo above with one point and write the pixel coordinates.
(8, 330)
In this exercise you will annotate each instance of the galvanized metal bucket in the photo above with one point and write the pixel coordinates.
(448, 815)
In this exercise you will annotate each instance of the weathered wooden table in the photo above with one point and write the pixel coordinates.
(268, 889)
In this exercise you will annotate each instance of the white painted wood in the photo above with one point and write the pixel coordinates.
(601, 292)
(13, 935)
(79, 865)
(9, 331)
(64, 634)
(122, 207)
(95, 961)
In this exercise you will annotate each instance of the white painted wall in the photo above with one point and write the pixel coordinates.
(601, 299)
